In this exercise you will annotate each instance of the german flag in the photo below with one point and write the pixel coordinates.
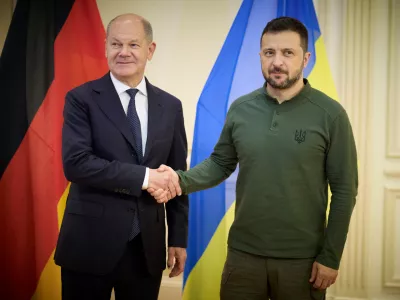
(52, 46)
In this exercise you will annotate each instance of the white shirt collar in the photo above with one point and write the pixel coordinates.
(122, 87)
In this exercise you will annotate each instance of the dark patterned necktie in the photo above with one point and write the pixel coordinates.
(134, 123)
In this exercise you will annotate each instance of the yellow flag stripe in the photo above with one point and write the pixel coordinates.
(204, 280)
(49, 286)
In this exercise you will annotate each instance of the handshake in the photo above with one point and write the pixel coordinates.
(163, 184)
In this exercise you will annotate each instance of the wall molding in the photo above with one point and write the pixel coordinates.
(393, 121)
(392, 173)
(392, 195)
(343, 298)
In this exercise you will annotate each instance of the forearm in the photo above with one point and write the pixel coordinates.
(88, 169)
(203, 176)
(81, 163)
(336, 232)
(342, 173)
(215, 169)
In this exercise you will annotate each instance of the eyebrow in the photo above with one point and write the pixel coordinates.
(272, 49)
(117, 40)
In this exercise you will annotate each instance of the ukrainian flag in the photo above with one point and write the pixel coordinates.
(237, 71)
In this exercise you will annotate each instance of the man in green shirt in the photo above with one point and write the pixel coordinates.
(290, 141)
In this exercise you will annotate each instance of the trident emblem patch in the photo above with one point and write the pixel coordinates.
(300, 136)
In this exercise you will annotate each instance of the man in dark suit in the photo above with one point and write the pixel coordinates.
(117, 131)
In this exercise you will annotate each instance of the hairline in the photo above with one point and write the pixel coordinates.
(148, 30)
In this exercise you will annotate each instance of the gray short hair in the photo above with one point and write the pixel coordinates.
(148, 30)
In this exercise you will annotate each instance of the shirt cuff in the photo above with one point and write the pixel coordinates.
(146, 180)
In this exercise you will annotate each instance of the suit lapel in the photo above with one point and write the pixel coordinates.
(109, 102)
(154, 118)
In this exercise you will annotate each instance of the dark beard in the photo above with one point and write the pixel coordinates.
(289, 82)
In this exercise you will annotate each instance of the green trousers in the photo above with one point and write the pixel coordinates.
(251, 277)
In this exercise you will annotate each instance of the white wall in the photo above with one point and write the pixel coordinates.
(6, 8)
(362, 39)
(189, 35)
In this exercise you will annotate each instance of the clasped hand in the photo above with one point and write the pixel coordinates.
(164, 184)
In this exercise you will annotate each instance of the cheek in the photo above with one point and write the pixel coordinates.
(141, 58)
(111, 55)
(265, 64)
(298, 65)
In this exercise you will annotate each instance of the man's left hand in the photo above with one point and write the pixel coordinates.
(322, 276)
(176, 259)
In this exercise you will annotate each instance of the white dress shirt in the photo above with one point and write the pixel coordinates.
(142, 109)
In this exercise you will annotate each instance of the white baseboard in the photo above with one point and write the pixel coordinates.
(328, 297)
(171, 288)
(171, 282)
(383, 297)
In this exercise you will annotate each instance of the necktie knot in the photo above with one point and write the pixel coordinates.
(132, 92)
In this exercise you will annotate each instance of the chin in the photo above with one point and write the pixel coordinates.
(123, 72)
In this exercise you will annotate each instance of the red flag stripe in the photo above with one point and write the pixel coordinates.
(34, 181)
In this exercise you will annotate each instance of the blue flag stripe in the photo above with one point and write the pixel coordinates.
(237, 71)
(304, 11)
(207, 208)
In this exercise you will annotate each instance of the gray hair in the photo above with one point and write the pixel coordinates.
(148, 30)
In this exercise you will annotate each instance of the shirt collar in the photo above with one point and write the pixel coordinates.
(122, 87)
(302, 95)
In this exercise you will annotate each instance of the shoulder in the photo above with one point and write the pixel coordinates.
(245, 99)
(85, 89)
(165, 98)
(328, 105)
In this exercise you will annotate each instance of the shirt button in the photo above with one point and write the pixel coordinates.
(274, 124)
(277, 112)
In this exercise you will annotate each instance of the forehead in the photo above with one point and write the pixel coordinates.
(127, 28)
(280, 40)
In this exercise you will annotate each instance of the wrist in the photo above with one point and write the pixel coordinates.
(145, 184)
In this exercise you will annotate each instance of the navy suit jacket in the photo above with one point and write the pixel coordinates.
(100, 161)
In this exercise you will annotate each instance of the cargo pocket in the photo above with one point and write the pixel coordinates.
(226, 274)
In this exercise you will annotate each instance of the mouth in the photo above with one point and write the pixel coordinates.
(124, 62)
(277, 73)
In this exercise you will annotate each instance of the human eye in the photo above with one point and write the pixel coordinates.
(268, 52)
(288, 53)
